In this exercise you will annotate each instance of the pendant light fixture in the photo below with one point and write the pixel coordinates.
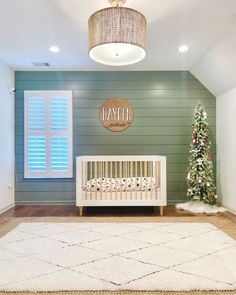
(117, 35)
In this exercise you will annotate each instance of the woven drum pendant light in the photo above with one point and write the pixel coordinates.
(117, 35)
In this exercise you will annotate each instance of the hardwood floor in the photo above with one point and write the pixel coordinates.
(72, 210)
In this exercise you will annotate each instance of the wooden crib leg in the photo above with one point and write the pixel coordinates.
(161, 210)
(80, 210)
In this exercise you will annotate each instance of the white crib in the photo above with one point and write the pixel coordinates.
(121, 181)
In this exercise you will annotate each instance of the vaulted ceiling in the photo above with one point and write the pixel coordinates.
(208, 27)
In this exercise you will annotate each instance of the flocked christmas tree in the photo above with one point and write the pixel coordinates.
(200, 177)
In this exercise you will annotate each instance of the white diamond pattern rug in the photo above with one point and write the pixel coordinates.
(117, 256)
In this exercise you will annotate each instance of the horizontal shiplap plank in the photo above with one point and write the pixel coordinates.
(63, 197)
(45, 187)
(136, 103)
(46, 197)
(138, 122)
(68, 187)
(122, 140)
(110, 85)
(21, 179)
(147, 113)
(172, 168)
(130, 93)
(143, 149)
(138, 131)
(134, 131)
(102, 76)
(171, 177)
(176, 196)
(176, 176)
(145, 103)
(140, 113)
(171, 159)
(135, 140)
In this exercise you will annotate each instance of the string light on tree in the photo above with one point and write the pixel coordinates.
(200, 178)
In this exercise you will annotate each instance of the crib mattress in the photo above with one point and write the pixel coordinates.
(121, 184)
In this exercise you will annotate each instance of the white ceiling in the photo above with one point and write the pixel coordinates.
(216, 68)
(29, 27)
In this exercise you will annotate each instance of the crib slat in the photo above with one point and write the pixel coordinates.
(103, 176)
(126, 180)
(101, 181)
(127, 197)
(156, 178)
(116, 177)
(91, 176)
(151, 174)
(106, 173)
(149, 178)
(130, 177)
(120, 180)
(111, 180)
(101, 169)
(141, 180)
(136, 175)
(146, 175)
(86, 174)
(96, 179)
(82, 176)
(159, 175)
(100, 177)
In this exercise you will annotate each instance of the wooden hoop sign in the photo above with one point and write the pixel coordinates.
(116, 114)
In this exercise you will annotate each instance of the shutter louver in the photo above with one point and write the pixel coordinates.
(59, 154)
(59, 114)
(36, 113)
(37, 154)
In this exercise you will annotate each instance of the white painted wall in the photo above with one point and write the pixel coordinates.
(216, 70)
(226, 148)
(6, 138)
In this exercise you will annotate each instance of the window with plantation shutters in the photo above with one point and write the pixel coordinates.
(48, 134)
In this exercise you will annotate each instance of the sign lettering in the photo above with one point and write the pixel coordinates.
(116, 114)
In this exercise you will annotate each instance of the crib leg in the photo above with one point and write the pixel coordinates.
(161, 210)
(80, 210)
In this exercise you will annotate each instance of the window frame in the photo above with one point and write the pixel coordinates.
(47, 95)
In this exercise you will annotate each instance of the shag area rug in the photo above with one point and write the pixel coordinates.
(41, 256)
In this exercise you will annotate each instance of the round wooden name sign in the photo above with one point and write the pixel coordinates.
(116, 114)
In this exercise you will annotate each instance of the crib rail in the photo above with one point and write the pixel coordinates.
(146, 173)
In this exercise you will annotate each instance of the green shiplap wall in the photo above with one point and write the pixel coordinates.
(163, 106)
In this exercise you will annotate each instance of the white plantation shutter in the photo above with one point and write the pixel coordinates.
(48, 134)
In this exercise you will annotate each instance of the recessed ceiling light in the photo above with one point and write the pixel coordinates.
(54, 49)
(183, 48)
(40, 64)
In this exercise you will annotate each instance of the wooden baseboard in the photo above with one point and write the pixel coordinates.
(230, 210)
(7, 208)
